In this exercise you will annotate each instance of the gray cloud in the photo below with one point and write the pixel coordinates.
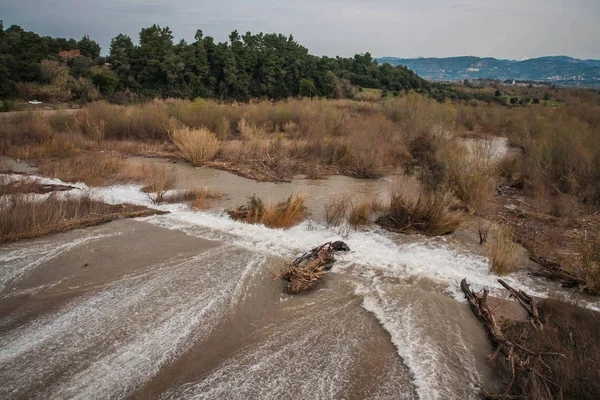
(404, 28)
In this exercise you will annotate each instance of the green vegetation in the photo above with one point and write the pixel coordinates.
(247, 66)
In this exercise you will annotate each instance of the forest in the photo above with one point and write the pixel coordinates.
(249, 66)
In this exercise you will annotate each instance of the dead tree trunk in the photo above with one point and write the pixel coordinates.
(527, 302)
(519, 358)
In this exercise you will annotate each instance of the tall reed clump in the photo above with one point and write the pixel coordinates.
(472, 174)
(197, 145)
(501, 249)
(359, 214)
(413, 209)
(284, 214)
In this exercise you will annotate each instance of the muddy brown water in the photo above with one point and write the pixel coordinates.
(183, 305)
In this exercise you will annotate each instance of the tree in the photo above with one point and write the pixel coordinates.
(79, 65)
(514, 100)
(104, 79)
(89, 48)
(498, 93)
(307, 88)
(120, 58)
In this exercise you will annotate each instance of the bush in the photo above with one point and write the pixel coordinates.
(359, 214)
(413, 209)
(502, 251)
(197, 145)
(158, 182)
(335, 210)
(284, 214)
(472, 175)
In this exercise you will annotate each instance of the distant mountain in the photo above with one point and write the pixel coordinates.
(561, 70)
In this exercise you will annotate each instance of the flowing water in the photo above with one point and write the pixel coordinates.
(182, 305)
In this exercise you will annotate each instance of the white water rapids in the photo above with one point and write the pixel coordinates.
(182, 305)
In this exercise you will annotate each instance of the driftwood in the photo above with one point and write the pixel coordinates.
(519, 358)
(553, 270)
(527, 302)
(303, 273)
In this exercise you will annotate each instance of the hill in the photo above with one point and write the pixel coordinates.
(560, 70)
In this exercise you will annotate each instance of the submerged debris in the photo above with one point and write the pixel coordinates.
(303, 273)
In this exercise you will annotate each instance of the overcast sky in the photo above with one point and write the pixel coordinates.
(403, 28)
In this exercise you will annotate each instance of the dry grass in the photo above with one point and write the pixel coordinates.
(412, 209)
(335, 210)
(284, 214)
(27, 185)
(197, 145)
(97, 169)
(22, 217)
(359, 214)
(198, 197)
(502, 251)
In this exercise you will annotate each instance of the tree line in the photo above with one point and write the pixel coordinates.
(246, 66)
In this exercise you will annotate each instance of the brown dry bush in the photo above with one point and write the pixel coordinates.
(359, 214)
(146, 122)
(31, 136)
(197, 145)
(198, 196)
(335, 210)
(284, 214)
(501, 250)
(22, 217)
(413, 209)
(96, 169)
(158, 182)
(472, 175)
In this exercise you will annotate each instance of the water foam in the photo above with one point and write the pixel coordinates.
(166, 309)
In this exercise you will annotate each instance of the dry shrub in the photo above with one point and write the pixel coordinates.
(250, 131)
(335, 210)
(284, 214)
(413, 209)
(472, 175)
(359, 214)
(197, 145)
(502, 251)
(23, 217)
(199, 197)
(96, 169)
(146, 122)
(158, 182)
(31, 136)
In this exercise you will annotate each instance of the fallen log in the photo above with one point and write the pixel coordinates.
(520, 359)
(553, 270)
(527, 302)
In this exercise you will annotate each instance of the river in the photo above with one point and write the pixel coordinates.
(183, 305)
